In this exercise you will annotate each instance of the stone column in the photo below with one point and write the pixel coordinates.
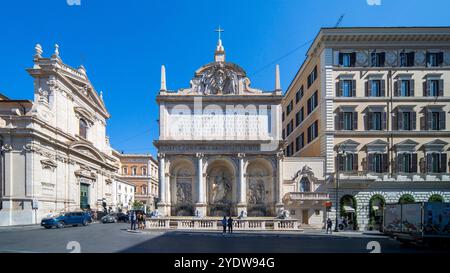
(279, 197)
(162, 204)
(200, 206)
(242, 188)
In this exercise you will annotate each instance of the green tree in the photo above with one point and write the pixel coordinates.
(138, 205)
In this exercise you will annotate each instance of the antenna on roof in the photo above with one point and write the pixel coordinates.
(339, 21)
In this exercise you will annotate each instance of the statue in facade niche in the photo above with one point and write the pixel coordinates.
(220, 189)
(184, 193)
(256, 192)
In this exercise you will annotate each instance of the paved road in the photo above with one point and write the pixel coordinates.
(115, 238)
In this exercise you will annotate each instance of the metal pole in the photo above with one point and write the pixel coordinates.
(336, 205)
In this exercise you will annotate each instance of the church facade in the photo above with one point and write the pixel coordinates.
(220, 148)
(55, 155)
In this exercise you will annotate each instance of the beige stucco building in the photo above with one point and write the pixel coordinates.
(373, 102)
(141, 170)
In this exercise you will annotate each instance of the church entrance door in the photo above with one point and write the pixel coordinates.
(305, 216)
(84, 196)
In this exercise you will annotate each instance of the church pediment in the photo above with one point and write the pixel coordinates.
(87, 150)
(83, 88)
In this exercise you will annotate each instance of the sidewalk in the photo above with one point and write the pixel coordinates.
(263, 233)
(27, 227)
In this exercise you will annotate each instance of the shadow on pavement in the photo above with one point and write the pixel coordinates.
(206, 242)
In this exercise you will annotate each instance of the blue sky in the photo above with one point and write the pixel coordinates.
(123, 44)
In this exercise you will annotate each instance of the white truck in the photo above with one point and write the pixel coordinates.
(420, 223)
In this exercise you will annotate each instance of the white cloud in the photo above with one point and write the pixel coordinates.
(78, 2)
(374, 2)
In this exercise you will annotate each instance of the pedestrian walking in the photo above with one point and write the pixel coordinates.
(329, 226)
(143, 221)
(230, 225)
(133, 220)
(224, 224)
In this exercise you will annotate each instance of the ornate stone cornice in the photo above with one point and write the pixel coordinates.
(87, 174)
(48, 163)
(29, 148)
(6, 148)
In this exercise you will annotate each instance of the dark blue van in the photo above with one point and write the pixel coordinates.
(67, 219)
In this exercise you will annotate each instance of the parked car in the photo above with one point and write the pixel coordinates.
(122, 217)
(66, 219)
(109, 218)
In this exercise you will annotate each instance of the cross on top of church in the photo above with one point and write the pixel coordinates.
(219, 30)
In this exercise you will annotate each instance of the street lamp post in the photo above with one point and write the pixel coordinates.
(336, 226)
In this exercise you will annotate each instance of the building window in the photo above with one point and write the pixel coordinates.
(289, 108)
(407, 162)
(299, 142)
(290, 149)
(144, 171)
(144, 190)
(83, 128)
(347, 59)
(348, 163)
(133, 171)
(435, 120)
(377, 59)
(434, 59)
(406, 59)
(299, 117)
(313, 131)
(312, 76)
(125, 170)
(436, 162)
(312, 103)
(406, 120)
(376, 121)
(290, 127)
(404, 88)
(375, 88)
(377, 162)
(283, 115)
(347, 121)
(299, 94)
(434, 88)
(305, 185)
(348, 89)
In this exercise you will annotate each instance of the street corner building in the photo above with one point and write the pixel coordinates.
(373, 103)
(220, 151)
(55, 155)
(141, 171)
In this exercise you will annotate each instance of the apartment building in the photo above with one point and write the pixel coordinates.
(141, 170)
(374, 103)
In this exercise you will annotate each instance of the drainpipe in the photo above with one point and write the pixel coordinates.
(390, 124)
